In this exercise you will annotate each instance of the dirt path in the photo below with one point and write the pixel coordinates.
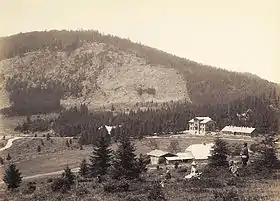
(10, 143)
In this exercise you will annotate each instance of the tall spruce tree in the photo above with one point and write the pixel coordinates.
(83, 168)
(219, 153)
(267, 150)
(100, 160)
(12, 177)
(125, 163)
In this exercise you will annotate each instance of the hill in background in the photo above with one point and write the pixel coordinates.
(88, 67)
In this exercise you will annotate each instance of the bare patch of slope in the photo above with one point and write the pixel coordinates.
(97, 73)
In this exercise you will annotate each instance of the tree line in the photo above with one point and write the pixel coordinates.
(259, 112)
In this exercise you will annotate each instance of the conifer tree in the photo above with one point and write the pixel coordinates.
(142, 163)
(68, 175)
(83, 168)
(1, 161)
(267, 150)
(219, 153)
(39, 148)
(12, 177)
(125, 163)
(101, 157)
(8, 157)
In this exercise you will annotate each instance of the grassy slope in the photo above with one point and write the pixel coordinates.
(54, 156)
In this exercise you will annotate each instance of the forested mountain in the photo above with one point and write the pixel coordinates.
(92, 68)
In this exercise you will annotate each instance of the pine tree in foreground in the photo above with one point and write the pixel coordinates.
(219, 153)
(267, 150)
(100, 160)
(125, 163)
(68, 175)
(83, 168)
(12, 177)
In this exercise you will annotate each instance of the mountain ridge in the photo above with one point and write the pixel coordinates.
(147, 70)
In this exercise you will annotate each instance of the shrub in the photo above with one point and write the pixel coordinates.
(204, 183)
(235, 181)
(156, 193)
(182, 170)
(233, 195)
(49, 180)
(235, 149)
(60, 184)
(135, 198)
(215, 172)
(29, 188)
(120, 186)
(39, 148)
(1, 161)
(82, 191)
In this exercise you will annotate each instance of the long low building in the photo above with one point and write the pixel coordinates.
(183, 157)
(235, 130)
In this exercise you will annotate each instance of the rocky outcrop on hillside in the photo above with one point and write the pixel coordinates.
(98, 74)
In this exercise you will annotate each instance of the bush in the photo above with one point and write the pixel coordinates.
(156, 193)
(233, 195)
(1, 161)
(204, 183)
(82, 191)
(182, 170)
(135, 198)
(255, 171)
(60, 184)
(49, 180)
(235, 181)
(216, 172)
(29, 188)
(120, 186)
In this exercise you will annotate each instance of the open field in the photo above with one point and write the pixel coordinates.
(55, 155)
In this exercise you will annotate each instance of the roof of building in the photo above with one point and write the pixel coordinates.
(203, 120)
(181, 156)
(236, 129)
(158, 153)
(200, 151)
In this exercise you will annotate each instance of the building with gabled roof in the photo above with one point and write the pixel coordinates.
(201, 125)
(236, 130)
(158, 156)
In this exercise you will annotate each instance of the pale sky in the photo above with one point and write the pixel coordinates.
(240, 35)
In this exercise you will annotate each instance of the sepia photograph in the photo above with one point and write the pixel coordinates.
(140, 100)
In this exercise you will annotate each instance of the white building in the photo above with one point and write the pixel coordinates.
(182, 157)
(200, 151)
(235, 130)
(201, 125)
